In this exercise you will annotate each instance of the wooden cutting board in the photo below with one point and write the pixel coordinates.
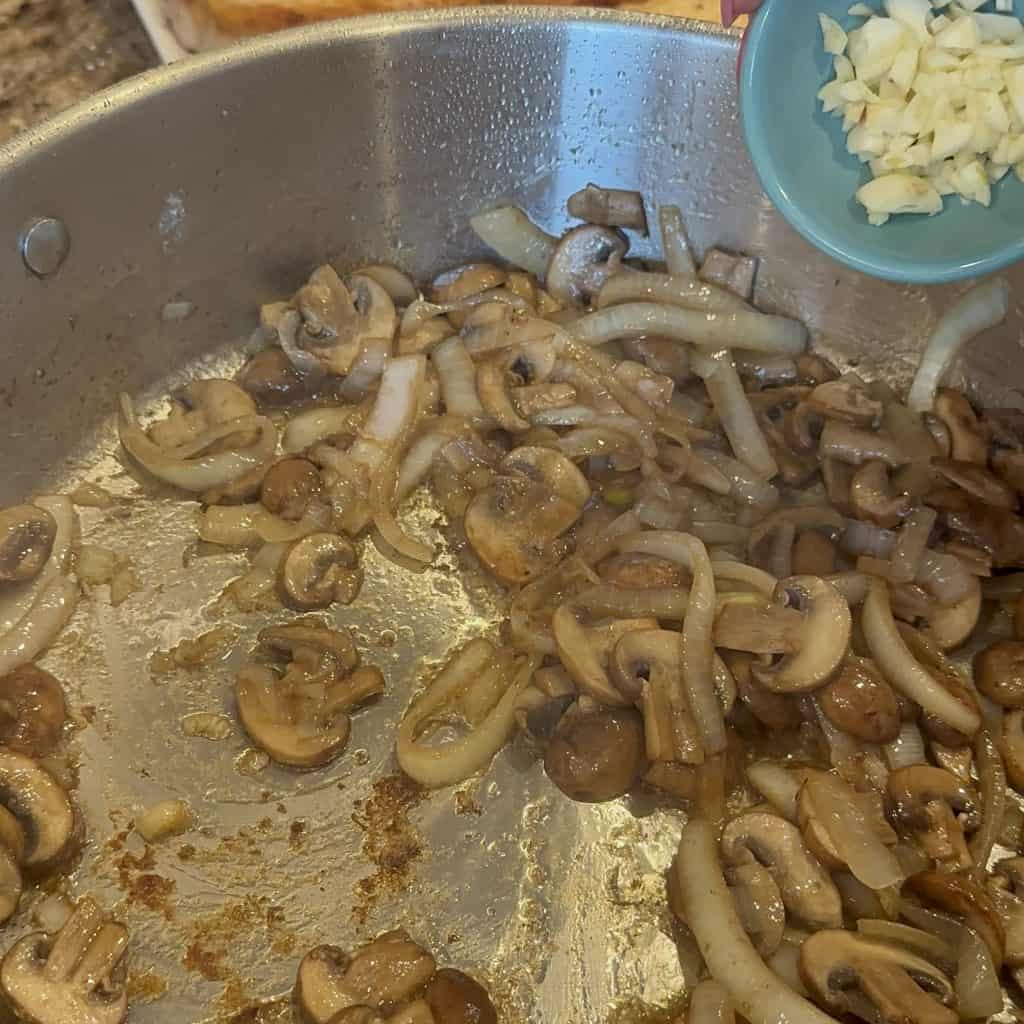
(705, 9)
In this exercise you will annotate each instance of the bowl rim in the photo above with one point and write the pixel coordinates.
(811, 228)
(325, 35)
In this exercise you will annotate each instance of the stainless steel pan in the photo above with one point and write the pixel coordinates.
(220, 182)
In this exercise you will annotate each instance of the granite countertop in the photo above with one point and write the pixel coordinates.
(56, 52)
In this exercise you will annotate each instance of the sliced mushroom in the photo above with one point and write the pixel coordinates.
(301, 720)
(847, 973)
(514, 524)
(462, 282)
(995, 530)
(1009, 467)
(596, 755)
(582, 261)
(198, 406)
(937, 809)
(821, 642)
(289, 487)
(807, 890)
(872, 497)
(609, 207)
(758, 904)
(319, 570)
(41, 807)
(640, 572)
(271, 379)
(847, 402)
(967, 440)
(838, 479)
(1012, 747)
(950, 626)
(379, 975)
(855, 446)
(27, 533)
(456, 998)
(775, 711)
(861, 703)
(580, 657)
(32, 711)
(999, 672)
(976, 481)
(74, 980)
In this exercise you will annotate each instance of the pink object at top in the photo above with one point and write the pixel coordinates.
(732, 9)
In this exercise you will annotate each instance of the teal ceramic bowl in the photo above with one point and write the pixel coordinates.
(800, 156)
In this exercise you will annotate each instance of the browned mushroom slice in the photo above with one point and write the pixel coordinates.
(967, 440)
(775, 711)
(463, 282)
(995, 530)
(319, 570)
(1009, 467)
(609, 207)
(583, 260)
(848, 973)
(1012, 747)
(977, 481)
(271, 379)
(40, 805)
(846, 401)
(820, 644)
(999, 672)
(872, 498)
(861, 703)
(758, 904)
(855, 446)
(72, 980)
(32, 711)
(596, 756)
(379, 975)
(807, 890)
(456, 998)
(27, 533)
(289, 487)
(936, 809)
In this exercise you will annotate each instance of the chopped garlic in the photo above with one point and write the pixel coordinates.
(164, 819)
(207, 725)
(929, 91)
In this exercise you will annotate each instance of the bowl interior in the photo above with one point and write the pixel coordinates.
(801, 158)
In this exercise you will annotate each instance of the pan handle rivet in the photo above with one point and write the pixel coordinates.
(44, 245)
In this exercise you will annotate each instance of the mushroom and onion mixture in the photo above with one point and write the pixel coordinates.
(782, 597)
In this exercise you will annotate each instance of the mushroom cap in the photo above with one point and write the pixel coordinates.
(582, 261)
(332, 643)
(271, 723)
(319, 993)
(758, 904)
(41, 806)
(821, 643)
(596, 756)
(512, 524)
(456, 998)
(838, 967)
(846, 401)
(320, 569)
(388, 970)
(858, 701)
(999, 672)
(27, 533)
(32, 711)
(911, 788)
(967, 441)
(289, 486)
(271, 379)
(807, 890)
(546, 466)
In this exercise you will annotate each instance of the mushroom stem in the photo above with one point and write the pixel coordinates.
(759, 994)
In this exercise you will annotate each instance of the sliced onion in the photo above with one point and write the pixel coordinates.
(245, 526)
(785, 963)
(454, 762)
(899, 666)
(984, 306)
(779, 786)
(992, 789)
(186, 466)
(40, 625)
(515, 238)
(759, 332)
(748, 489)
(758, 993)
(393, 412)
(682, 290)
(458, 379)
(906, 749)
(367, 368)
(622, 602)
(312, 426)
(734, 412)
(675, 245)
(852, 833)
(978, 992)
(911, 542)
(697, 647)
(945, 577)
